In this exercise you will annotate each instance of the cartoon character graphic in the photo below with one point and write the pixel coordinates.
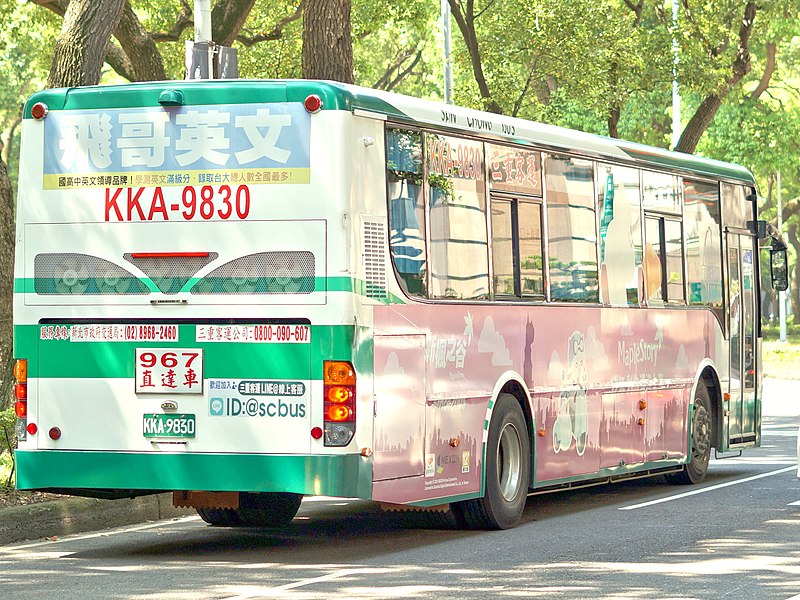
(573, 409)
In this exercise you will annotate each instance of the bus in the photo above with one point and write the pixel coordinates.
(245, 292)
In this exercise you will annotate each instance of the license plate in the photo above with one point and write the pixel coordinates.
(168, 425)
(169, 371)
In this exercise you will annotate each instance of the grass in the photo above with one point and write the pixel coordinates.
(781, 359)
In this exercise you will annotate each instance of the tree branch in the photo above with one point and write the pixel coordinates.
(277, 31)
(769, 69)
(708, 108)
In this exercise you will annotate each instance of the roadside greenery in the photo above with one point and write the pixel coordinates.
(781, 359)
(7, 445)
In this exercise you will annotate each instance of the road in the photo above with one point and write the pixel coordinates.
(735, 536)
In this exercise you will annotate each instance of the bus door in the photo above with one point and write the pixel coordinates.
(741, 312)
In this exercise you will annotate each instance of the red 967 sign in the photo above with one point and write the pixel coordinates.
(169, 371)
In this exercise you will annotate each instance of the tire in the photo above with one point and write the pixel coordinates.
(219, 517)
(507, 471)
(273, 509)
(701, 440)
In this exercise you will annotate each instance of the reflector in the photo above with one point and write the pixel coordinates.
(313, 103)
(39, 110)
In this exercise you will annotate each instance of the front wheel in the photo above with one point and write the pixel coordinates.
(697, 467)
(507, 471)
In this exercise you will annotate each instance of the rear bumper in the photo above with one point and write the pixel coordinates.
(348, 476)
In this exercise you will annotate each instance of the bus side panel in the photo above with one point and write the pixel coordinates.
(610, 387)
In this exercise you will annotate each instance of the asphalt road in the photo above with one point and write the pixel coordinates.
(735, 536)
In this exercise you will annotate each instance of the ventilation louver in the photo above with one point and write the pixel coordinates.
(374, 259)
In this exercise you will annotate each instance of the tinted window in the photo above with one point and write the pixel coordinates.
(571, 229)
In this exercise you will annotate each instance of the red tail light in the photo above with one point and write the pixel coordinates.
(339, 389)
(21, 409)
(21, 395)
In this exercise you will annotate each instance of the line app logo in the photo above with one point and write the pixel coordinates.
(252, 407)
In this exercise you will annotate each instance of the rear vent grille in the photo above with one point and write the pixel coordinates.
(170, 273)
(82, 274)
(262, 273)
(374, 258)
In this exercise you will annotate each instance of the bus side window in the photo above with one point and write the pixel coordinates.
(406, 209)
(517, 249)
(571, 229)
(459, 246)
(663, 260)
(619, 207)
(703, 244)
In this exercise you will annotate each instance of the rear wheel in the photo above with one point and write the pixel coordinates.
(697, 467)
(507, 471)
(219, 517)
(274, 509)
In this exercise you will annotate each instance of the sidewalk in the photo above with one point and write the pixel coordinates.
(75, 515)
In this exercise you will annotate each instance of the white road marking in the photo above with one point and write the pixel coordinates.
(794, 504)
(708, 489)
(255, 592)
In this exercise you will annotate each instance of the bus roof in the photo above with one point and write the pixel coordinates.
(396, 107)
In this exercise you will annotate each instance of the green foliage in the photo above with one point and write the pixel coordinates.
(7, 421)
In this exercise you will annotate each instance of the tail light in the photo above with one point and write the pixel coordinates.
(21, 398)
(339, 389)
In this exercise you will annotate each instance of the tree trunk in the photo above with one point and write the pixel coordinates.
(708, 108)
(327, 44)
(139, 47)
(7, 234)
(80, 49)
(466, 23)
(698, 124)
(227, 20)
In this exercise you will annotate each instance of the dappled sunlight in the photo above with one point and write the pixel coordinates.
(400, 591)
(120, 568)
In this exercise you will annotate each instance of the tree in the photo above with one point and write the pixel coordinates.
(327, 43)
(740, 65)
(81, 48)
(6, 286)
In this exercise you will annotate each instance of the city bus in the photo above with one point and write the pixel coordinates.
(246, 292)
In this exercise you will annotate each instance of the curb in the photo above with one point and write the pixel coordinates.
(77, 515)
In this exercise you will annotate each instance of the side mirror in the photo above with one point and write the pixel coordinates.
(778, 269)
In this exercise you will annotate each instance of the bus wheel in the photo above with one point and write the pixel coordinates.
(219, 517)
(695, 471)
(507, 471)
(273, 509)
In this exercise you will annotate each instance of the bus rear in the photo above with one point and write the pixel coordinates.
(183, 310)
